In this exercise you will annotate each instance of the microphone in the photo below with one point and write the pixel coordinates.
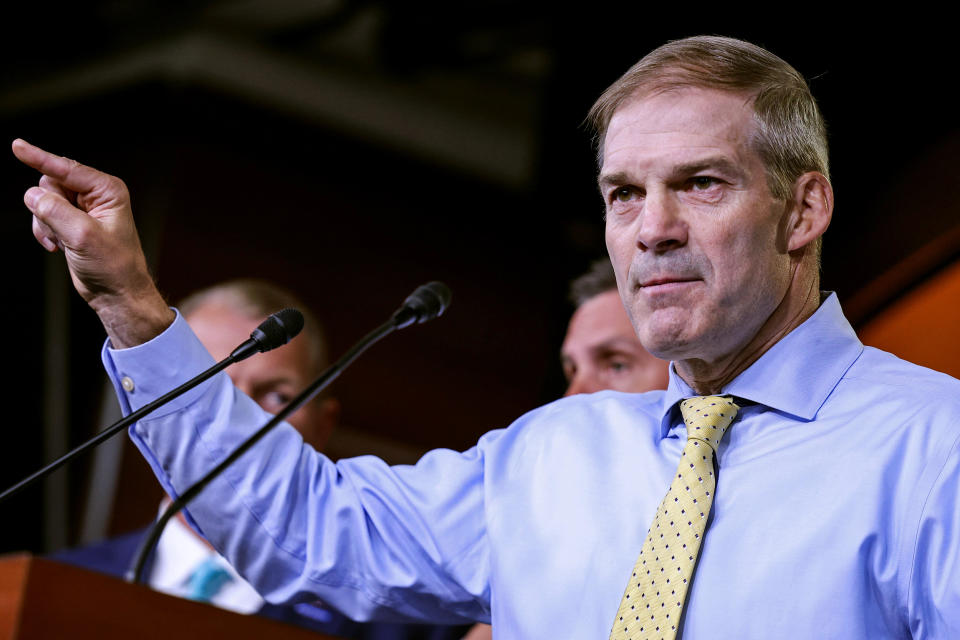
(427, 302)
(277, 330)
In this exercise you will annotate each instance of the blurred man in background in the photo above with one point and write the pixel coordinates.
(601, 349)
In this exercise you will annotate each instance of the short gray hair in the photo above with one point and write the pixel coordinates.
(256, 299)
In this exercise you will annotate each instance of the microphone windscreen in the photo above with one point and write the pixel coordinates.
(278, 329)
(429, 301)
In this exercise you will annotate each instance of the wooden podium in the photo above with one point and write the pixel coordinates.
(44, 600)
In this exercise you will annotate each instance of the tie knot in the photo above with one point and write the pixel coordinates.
(707, 417)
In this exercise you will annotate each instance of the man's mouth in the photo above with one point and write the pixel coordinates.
(666, 281)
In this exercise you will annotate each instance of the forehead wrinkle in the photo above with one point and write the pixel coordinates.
(739, 129)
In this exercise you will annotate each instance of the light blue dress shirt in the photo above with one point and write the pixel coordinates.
(837, 509)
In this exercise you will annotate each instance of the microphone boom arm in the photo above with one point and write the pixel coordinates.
(116, 427)
(278, 329)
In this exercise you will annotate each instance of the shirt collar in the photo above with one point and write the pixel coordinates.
(796, 375)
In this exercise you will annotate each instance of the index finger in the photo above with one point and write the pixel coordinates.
(70, 173)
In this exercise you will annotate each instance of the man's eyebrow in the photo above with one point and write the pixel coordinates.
(716, 163)
(273, 381)
(618, 344)
(612, 179)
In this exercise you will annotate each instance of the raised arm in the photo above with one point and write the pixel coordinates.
(86, 214)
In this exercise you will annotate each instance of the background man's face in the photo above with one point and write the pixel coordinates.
(692, 228)
(273, 378)
(601, 351)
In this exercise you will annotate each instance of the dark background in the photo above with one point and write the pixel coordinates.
(353, 150)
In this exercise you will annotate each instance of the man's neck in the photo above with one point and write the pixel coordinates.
(711, 377)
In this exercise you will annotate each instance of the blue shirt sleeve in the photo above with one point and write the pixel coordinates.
(405, 542)
(934, 588)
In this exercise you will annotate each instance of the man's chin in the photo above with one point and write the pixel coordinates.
(666, 333)
(667, 347)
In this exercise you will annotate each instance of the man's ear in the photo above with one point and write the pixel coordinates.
(811, 212)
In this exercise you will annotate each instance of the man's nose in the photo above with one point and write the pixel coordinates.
(662, 224)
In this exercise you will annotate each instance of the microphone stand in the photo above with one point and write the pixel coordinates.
(115, 428)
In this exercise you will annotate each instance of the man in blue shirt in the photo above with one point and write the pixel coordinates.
(837, 506)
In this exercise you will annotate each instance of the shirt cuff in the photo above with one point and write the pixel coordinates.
(143, 373)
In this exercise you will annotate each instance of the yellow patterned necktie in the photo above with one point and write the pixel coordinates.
(652, 604)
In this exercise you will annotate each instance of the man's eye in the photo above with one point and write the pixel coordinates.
(274, 400)
(703, 182)
(618, 367)
(623, 194)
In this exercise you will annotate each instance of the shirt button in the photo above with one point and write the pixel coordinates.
(127, 383)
